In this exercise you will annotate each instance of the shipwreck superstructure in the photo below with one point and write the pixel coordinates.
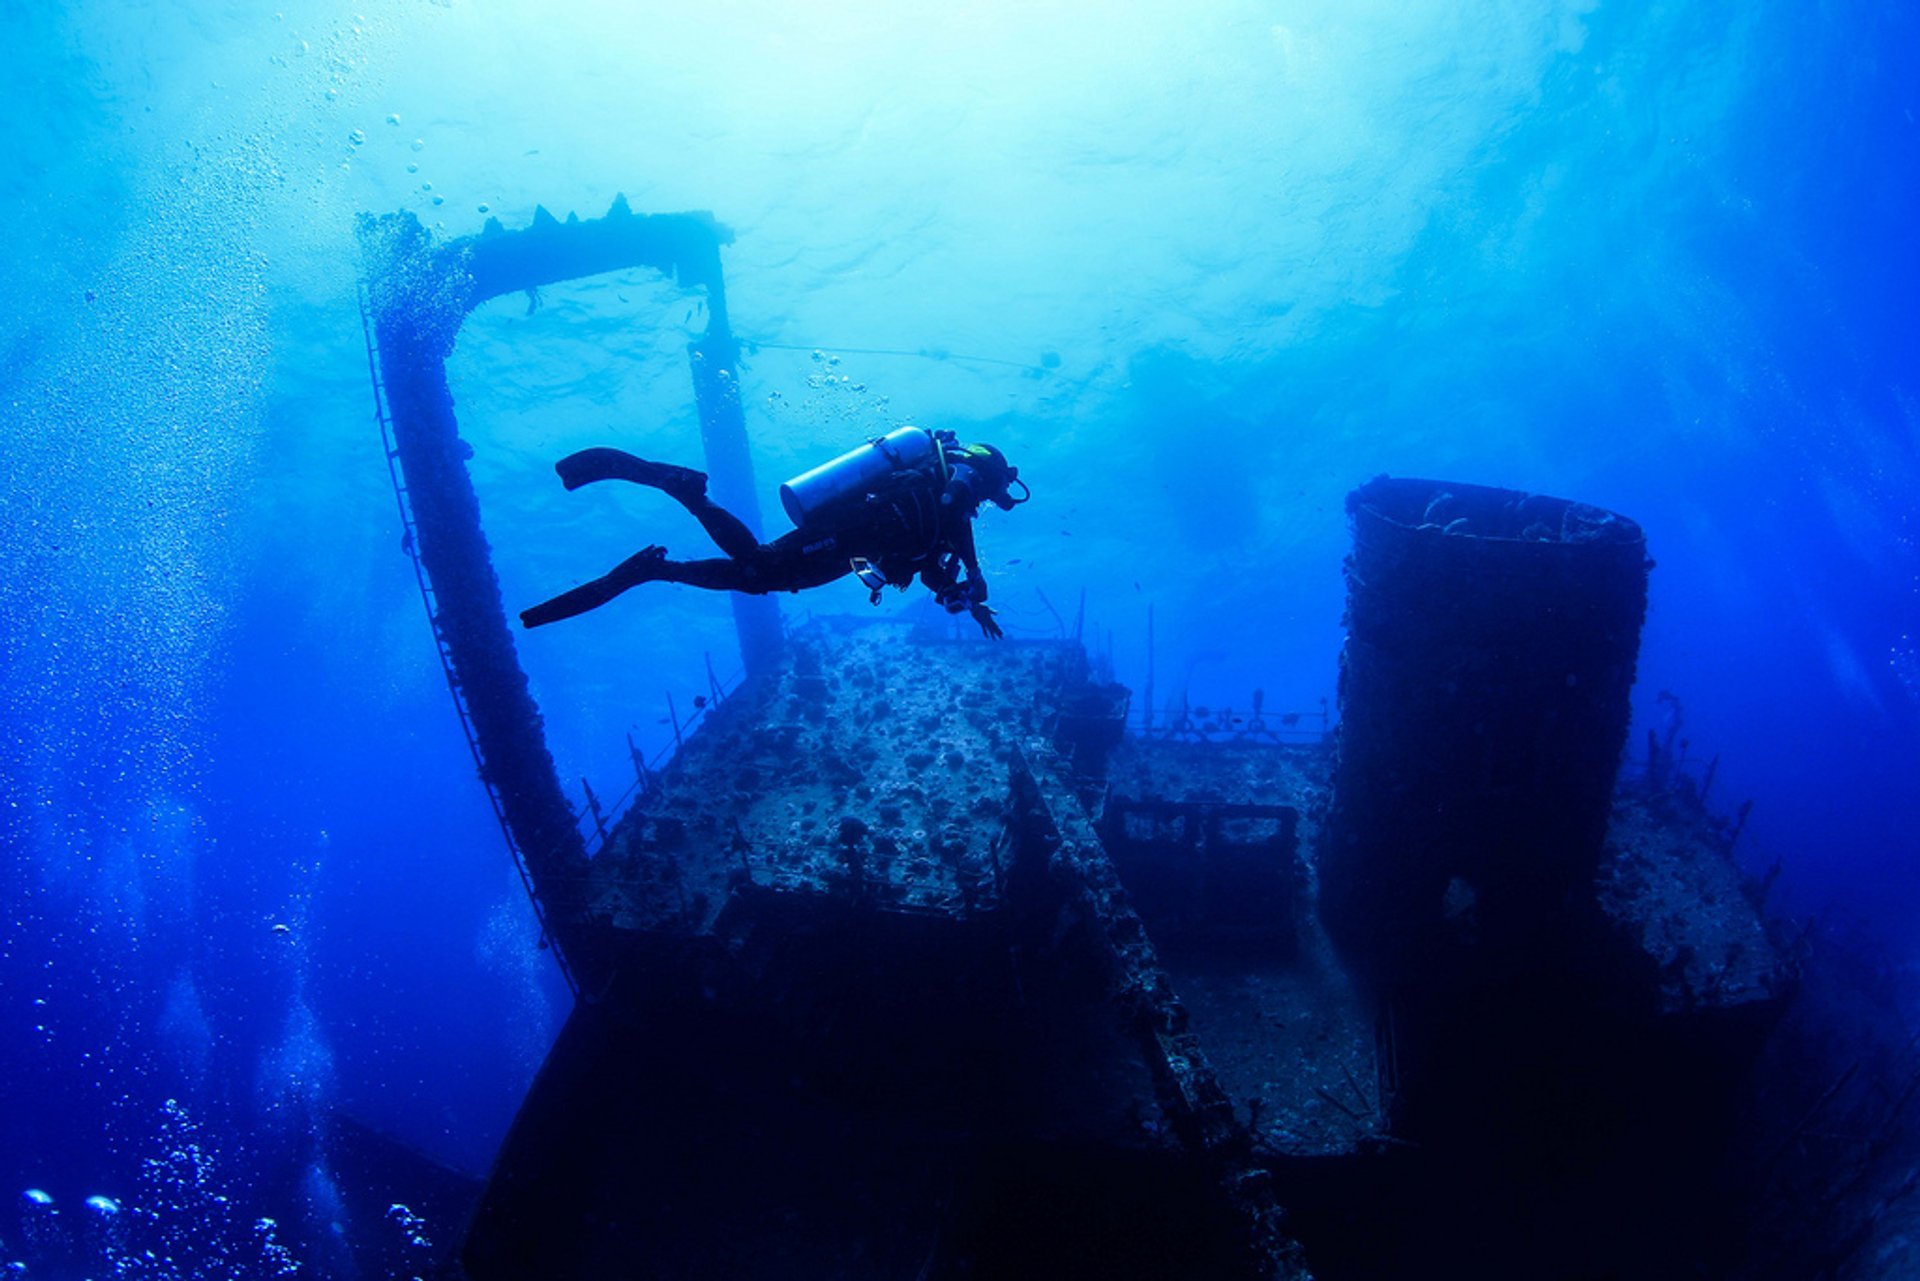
(921, 959)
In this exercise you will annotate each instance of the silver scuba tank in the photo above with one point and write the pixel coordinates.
(903, 449)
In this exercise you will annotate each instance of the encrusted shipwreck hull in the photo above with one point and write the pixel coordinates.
(890, 999)
(881, 1006)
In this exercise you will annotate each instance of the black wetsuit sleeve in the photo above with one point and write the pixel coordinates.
(953, 590)
(938, 577)
(963, 545)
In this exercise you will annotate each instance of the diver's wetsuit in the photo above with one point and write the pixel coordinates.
(902, 528)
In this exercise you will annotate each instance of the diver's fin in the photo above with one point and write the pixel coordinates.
(641, 567)
(602, 463)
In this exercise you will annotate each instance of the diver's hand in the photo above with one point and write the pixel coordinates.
(984, 616)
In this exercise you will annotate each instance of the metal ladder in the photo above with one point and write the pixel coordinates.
(410, 543)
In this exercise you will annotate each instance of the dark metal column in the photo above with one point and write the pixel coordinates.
(415, 317)
(1492, 638)
(418, 295)
(723, 432)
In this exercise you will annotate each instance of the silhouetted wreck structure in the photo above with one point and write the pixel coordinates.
(915, 963)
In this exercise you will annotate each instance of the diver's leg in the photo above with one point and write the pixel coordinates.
(601, 463)
(793, 562)
(728, 532)
(716, 574)
(796, 561)
(643, 566)
(682, 484)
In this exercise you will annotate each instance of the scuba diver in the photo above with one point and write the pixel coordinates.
(895, 507)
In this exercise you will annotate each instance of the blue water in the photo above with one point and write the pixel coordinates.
(1200, 269)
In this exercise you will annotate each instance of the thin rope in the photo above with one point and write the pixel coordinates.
(922, 354)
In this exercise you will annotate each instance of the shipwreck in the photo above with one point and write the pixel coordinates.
(995, 975)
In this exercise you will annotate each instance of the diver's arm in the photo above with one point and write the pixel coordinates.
(976, 582)
(974, 592)
(938, 577)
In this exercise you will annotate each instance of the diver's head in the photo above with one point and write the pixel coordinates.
(997, 475)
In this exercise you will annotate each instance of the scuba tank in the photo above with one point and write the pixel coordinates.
(859, 471)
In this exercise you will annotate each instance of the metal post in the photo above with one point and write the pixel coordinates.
(723, 433)
(1146, 724)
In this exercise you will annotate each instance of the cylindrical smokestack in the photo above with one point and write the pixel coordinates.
(1491, 642)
